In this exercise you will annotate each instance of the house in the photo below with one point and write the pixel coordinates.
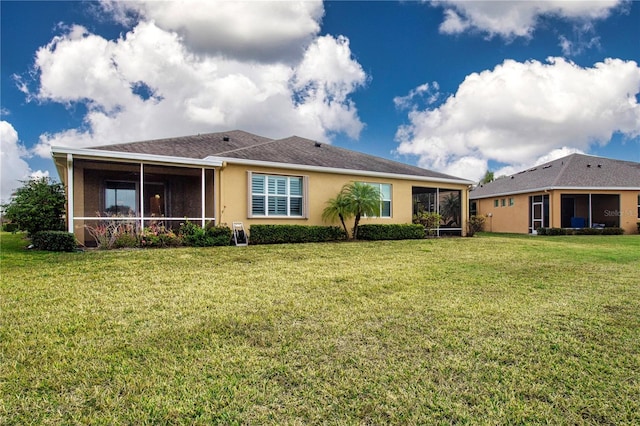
(575, 191)
(236, 176)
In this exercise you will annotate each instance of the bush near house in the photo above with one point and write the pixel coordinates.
(580, 231)
(279, 234)
(476, 224)
(54, 241)
(391, 232)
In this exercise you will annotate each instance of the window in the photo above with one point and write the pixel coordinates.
(639, 206)
(511, 201)
(496, 203)
(385, 198)
(276, 195)
(503, 202)
(120, 198)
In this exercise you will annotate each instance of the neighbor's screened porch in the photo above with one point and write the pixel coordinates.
(140, 195)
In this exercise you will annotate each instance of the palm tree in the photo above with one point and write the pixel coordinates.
(450, 208)
(363, 200)
(337, 208)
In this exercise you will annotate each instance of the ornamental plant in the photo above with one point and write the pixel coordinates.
(39, 205)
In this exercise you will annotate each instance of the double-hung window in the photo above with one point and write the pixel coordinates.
(385, 198)
(276, 196)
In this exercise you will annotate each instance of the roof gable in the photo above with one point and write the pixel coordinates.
(573, 171)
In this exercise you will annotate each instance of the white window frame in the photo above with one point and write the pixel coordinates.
(267, 195)
(382, 199)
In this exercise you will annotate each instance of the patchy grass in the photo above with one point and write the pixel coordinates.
(489, 330)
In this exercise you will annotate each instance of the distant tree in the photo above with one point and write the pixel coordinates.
(39, 205)
(488, 177)
(338, 208)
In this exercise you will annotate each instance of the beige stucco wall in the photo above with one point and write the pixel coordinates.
(232, 203)
(508, 219)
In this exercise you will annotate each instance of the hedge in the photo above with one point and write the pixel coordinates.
(280, 234)
(580, 231)
(391, 232)
(54, 241)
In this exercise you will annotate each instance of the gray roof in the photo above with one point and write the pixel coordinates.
(238, 144)
(574, 171)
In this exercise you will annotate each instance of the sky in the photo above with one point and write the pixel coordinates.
(459, 87)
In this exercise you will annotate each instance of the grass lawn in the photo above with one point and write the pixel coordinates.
(486, 330)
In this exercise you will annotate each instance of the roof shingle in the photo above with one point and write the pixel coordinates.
(573, 171)
(238, 144)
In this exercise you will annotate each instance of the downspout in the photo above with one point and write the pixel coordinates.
(217, 185)
(202, 197)
(70, 212)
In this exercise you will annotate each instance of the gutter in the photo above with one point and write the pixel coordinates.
(134, 157)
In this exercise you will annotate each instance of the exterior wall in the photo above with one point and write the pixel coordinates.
(234, 196)
(227, 193)
(515, 219)
(510, 218)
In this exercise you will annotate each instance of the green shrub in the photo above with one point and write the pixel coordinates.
(54, 241)
(556, 231)
(391, 232)
(10, 227)
(126, 240)
(476, 224)
(612, 231)
(38, 205)
(195, 236)
(279, 234)
(159, 236)
(588, 231)
(219, 235)
(638, 227)
(430, 221)
(580, 231)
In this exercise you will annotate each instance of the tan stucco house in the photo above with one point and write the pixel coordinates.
(575, 191)
(236, 176)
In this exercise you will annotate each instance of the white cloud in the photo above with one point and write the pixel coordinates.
(13, 166)
(518, 112)
(431, 92)
(257, 30)
(150, 84)
(511, 19)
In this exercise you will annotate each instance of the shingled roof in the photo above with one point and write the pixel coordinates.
(241, 145)
(575, 171)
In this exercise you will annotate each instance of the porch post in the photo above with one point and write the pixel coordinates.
(202, 195)
(70, 212)
(141, 197)
(438, 209)
(590, 213)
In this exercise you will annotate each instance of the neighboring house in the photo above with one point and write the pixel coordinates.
(236, 176)
(576, 191)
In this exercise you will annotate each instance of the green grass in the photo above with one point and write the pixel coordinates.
(486, 330)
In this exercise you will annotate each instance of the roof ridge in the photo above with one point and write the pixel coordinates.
(249, 146)
(565, 164)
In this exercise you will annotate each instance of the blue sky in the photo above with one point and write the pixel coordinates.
(458, 87)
